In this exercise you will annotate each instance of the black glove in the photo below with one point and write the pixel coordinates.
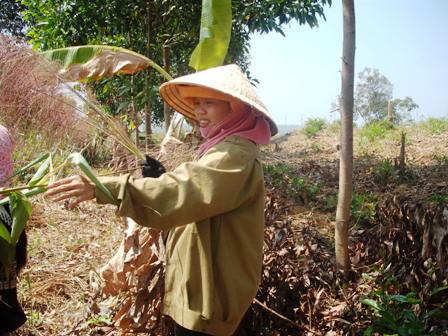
(152, 167)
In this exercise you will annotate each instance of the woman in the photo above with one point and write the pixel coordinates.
(213, 207)
(11, 313)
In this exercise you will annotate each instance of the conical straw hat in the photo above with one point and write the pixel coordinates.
(226, 82)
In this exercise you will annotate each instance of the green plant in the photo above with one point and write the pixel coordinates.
(330, 202)
(384, 171)
(335, 126)
(20, 211)
(400, 315)
(435, 125)
(441, 199)
(97, 320)
(313, 126)
(216, 26)
(276, 174)
(298, 188)
(375, 130)
(316, 147)
(363, 208)
(34, 318)
(441, 159)
(21, 207)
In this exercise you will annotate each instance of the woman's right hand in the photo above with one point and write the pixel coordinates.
(76, 189)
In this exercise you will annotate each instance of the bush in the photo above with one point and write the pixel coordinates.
(435, 125)
(335, 126)
(384, 171)
(376, 130)
(313, 126)
(402, 315)
(441, 159)
(298, 188)
(363, 208)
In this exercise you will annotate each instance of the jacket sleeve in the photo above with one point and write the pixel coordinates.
(219, 182)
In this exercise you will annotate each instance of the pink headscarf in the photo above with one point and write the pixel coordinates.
(242, 121)
(6, 149)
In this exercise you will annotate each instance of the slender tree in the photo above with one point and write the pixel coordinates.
(346, 156)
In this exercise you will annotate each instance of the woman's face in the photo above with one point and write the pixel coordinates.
(210, 112)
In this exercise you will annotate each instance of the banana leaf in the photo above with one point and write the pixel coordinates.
(99, 61)
(216, 27)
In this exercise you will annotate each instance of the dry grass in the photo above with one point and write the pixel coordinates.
(66, 248)
(59, 286)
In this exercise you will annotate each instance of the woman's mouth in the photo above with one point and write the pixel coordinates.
(203, 123)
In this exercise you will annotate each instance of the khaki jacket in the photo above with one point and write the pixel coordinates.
(213, 208)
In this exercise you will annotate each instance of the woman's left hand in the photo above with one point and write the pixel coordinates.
(75, 188)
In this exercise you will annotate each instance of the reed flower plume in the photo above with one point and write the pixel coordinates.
(30, 96)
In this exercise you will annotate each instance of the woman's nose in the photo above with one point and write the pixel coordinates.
(198, 109)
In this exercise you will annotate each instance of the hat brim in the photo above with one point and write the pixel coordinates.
(172, 94)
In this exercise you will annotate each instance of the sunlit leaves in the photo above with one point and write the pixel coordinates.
(216, 26)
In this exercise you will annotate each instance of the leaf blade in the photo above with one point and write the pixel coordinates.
(216, 26)
(100, 61)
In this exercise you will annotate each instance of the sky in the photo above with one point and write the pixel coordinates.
(406, 40)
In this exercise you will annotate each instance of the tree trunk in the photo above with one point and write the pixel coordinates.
(166, 66)
(148, 107)
(346, 156)
(402, 154)
(134, 113)
(390, 112)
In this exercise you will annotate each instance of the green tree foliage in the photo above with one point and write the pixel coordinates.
(402, 108)
(11, 21)
(143, 26)
(153, 28)
(373, 93)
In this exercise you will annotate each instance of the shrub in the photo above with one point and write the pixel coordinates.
(335, 126)
(376, 130)
(316, 148)
(363, 208)
(297, 188)
(313, 126)
(439, 199)
(384, 171)
(435, 125)
(402, 315)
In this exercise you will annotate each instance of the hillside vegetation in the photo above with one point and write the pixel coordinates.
(398, 242)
